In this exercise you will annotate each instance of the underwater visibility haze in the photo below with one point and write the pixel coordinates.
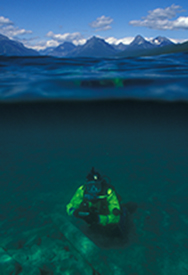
(128, 118)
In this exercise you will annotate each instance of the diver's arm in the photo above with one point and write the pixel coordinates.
(75, 201)
(114, 208)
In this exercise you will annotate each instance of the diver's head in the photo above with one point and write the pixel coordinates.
(93, 184)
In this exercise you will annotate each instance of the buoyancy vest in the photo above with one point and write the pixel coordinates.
(100, 204)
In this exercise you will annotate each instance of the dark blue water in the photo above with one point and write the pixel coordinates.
(161, 77)
(129, 119)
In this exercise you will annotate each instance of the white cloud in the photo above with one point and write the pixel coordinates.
(125, 40)
(102, 23)
(161, 19)
(79, 42)
(176, 41)
(181, 23)
(41, 45)
(12, 31)
(5, 21)
(56, 39)
(7, 28)
(36, 44)
(162, 14)
(75, 37)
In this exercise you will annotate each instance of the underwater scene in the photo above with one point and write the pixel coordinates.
(66, 123)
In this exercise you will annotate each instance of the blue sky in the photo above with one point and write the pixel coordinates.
(42, 23)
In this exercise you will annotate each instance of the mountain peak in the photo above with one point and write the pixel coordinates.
(161, 41)
(95, 39)
(66, 45)
(140, 43)
(95, 47)
(138, 40)
(63, 49)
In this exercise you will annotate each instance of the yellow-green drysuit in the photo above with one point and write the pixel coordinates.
(107, 205)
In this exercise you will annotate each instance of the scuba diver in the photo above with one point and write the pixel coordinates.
(97, 203)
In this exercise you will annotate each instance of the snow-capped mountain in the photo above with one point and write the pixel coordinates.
(161, 41)
(159, 45)
(95, 47)
(140, 43)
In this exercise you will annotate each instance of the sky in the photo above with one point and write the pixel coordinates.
(47, 23)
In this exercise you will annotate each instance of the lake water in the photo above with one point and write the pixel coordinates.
(126, 117)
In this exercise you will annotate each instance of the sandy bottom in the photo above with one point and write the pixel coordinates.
(60, 245)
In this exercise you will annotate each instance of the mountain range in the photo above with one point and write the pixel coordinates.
(96, 47)
(10, 47)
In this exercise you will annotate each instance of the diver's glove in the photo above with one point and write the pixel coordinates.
(89, 217)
